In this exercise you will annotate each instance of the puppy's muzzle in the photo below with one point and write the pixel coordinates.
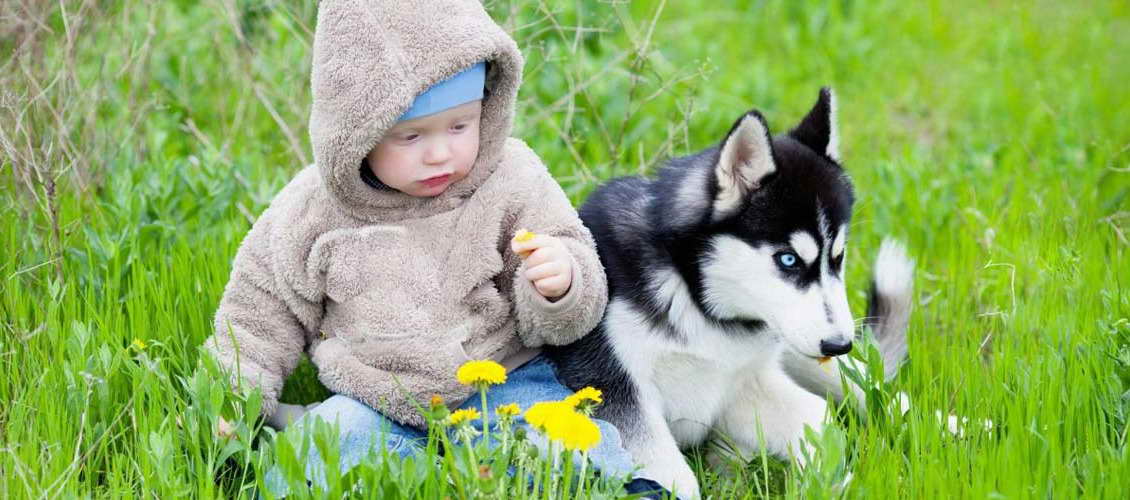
(835, 347)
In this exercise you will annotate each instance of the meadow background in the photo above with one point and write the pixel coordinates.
(139, 140)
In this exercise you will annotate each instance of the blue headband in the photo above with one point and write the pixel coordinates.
(464, 87)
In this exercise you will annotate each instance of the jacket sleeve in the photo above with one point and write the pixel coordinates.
(257, 334)
(541, 321)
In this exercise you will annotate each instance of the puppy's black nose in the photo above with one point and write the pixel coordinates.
(834, 348)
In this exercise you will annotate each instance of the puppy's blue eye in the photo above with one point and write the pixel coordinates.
(787, 260)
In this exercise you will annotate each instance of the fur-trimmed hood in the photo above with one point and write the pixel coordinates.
(389, 294)
(371, 59)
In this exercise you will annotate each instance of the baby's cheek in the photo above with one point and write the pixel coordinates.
(389, 165)
(470, 150)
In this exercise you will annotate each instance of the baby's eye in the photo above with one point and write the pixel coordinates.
(409, 137)
(459, 127)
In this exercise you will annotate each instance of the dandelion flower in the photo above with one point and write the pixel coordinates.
(481, 372)
(465, 415)
(510, 410)
(586, 395)
(573, 430)
(541, 413)
(138, 344)
(437, 411)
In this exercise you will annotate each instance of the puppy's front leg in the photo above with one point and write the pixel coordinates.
(653, 447)
(771, 410)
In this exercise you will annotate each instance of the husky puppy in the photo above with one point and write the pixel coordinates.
(726, 290)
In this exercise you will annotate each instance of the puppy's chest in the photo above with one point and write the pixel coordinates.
(693, 380)
(698, 380)
(692, 387)
(698, 384)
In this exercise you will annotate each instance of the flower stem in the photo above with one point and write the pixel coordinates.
(553, 476)
(486, 414)
(581, 479)
(567, 475)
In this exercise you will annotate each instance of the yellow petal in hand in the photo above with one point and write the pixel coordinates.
(523, 236)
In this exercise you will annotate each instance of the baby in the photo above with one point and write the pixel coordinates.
(390, 261)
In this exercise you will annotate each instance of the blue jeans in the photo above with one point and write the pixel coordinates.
(361, 426)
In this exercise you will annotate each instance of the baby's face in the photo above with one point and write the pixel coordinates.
(425, 155)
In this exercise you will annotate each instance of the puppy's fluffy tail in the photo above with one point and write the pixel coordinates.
(888, 311)
(888, 314)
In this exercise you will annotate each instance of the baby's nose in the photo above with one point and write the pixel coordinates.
(438, 153)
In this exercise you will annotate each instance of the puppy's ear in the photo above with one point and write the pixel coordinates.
(744, 161)
(818, 129)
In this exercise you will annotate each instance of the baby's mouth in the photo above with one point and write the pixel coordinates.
(436, 181)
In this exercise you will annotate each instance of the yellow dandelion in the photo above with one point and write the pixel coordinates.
(481, 372)
(465, 415)
(138, 344)
(510, 410)
(573, 430)
(541, 413)
(437, 400)
(586, 395)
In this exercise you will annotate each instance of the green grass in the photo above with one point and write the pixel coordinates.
(139, 140)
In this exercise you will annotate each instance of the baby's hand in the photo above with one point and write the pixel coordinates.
(549, 266)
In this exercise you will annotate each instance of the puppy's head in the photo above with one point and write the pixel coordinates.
(778, 218)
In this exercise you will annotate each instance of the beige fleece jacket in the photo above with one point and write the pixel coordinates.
(389, 294)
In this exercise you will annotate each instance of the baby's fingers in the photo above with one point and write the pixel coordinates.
(524, 248)
(547, 270)
(553, 286)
